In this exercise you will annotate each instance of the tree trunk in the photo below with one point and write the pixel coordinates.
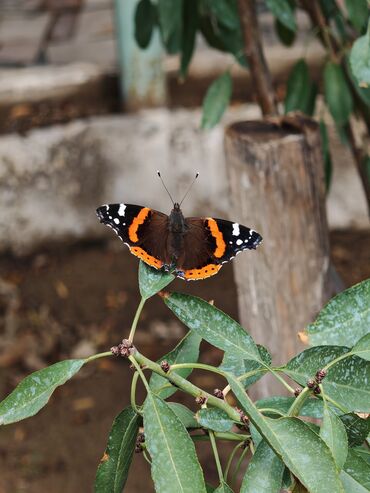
(277, 187)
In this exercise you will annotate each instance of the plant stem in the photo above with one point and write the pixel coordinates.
(299, 401)
(234, 437)
(133, 392)
(215, 453)
(232, 455)
(336, 360)
(97, 356)
(136, 319)
(199, 366)
(281, 379)
(332, 401)
(238, 464)
(140, 371)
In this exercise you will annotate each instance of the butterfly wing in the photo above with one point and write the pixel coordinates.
(143, 230)
(209, 243)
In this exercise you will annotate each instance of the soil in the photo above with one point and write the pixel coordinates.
(73, 301)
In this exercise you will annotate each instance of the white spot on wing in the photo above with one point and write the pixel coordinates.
(116, 220)
(236, 230)
(239, 241)
(121, 210)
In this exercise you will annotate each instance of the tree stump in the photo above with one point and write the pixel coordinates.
(277, 187)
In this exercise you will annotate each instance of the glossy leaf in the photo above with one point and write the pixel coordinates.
(283, 11)
(312, 408)
(344, 320)
(328, 167)
(358, 13)
(225, 11)
(190, 16)
(213, 325)
(360, 59)
(301, 91)
(152, 280)
(357, 428)
(187, 351)
(286, 36)
(214, 419)
(356, 474)
(233, 364)
(175, 466)
(224, 488)
(185, 415)
(112, 472)
(145, 19)
(300, 448)
(333, 433)
(33, 393)
(347, 382)
(337, 93)
(216, 101)
(362, 347)
(170, 23)
(264, 473)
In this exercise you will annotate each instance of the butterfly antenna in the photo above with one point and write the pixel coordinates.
(160, 177)
(191, 184)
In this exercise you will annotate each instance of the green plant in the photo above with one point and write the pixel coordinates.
(232, 26)
(274, 441)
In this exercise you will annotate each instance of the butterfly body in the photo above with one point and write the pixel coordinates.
(193, 248)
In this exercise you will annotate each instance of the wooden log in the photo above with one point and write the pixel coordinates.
(277, 187)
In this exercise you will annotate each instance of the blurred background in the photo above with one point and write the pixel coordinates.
(87, 117)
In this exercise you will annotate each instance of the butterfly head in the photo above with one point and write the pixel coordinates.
(177, 221)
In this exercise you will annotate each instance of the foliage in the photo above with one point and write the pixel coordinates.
(287, 451)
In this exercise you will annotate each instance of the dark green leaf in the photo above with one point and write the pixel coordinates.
(170, 23)
(357, 428)
(283, 11)
(337, 93)
(34, 391)
(362, 92)
(224, 488)
(364, 453)
(301, 91)
(301, 449)
(286, 36)
(328, 168)
(185, 415)
(360, 59)
(145, 19)
(356, 474)
(214, 419)
(231, 363)
(112, 472)
(264, 473)
(210, 488)
(333, 433)
(346, 381)
(190, 15)
(311, 407)
(187, 351)
(362, 347)
(344, 320)
(213, 325)
(216, 100)
(358, 13)
(152, 280)
(175, 466)
(225, 11)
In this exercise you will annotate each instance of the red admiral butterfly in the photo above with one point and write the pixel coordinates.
(193, 248)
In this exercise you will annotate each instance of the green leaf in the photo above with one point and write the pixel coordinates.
(360, 59)
(312, 408)
(187, 351)
(356, 474)
(33, 393)
(214, 419)
(185, 415)
(175, 466)
(283, 11)
(145, 19)
(344, 320)
(346, 381)
(190, 16)
(264, 473)
(286, 36)
(213, 325)
(301, 91)
(216, 101)
(301, 449)
(358, 13)
(210, 488)
(337, 93)
(226, 13)
(362, 92)
(328, 168)
(362, 347)
(357, 428)
(333, 433)
(223, 488)
(112, 472)
(152, 280)
(170, 23)
(231, 363)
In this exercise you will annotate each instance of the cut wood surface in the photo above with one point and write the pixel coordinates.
(277, 187)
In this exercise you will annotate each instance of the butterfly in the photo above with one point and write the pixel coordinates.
(192, 248)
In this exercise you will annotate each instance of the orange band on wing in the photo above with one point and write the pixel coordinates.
(207, 271)
(217, 235)
(145, 257)
(139, 219)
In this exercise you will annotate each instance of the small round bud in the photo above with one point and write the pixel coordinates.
(297, 391)
(115, 350)
(320, 375)
(311, 384)
(219, 394)
(138, 448)
(200, 400)
(165, 366)
(140, 438)
(317, 390)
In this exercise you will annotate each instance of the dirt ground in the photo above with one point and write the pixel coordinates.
(71, 302)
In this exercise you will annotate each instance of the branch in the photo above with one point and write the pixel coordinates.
(260, 74)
